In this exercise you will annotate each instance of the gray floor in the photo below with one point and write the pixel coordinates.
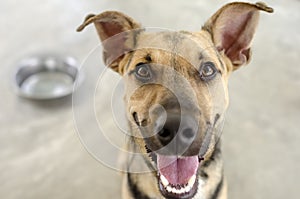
(41, 155)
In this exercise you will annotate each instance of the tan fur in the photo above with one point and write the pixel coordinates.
(172, 53)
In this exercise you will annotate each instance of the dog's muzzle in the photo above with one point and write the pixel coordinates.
(176, 145)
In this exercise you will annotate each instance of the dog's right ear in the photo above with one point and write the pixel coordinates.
(232, 29)
(117, 33)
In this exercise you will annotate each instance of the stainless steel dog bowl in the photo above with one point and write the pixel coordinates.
(46, 76)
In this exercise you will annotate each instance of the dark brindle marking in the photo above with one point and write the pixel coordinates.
(218, 189)
(186, 73)
(134, 190)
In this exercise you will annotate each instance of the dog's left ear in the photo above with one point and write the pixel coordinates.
(117, 33)
(232, 28)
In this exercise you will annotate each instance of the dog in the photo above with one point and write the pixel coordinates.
(176, 97)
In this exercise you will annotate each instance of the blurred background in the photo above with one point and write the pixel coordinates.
(41, 155)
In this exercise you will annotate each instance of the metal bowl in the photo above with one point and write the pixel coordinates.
(46, 76)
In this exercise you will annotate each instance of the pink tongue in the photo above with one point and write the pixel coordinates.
(177, 171)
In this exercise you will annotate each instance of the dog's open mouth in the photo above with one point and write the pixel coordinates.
(177, 176)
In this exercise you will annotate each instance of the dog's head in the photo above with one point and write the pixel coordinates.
(176, 85)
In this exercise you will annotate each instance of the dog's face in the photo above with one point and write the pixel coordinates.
(176, 86)
(176, 96)
(176, 91)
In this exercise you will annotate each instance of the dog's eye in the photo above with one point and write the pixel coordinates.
(143, 72)
(207, 71)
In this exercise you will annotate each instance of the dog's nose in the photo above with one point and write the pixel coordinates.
(176, 132)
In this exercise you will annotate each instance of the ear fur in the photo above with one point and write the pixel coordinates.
(232, 29)
(117, 33)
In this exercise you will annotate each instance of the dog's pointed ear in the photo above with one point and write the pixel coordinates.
(232, 28)
(116, 32)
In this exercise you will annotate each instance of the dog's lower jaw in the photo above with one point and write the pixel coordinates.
(211, 183)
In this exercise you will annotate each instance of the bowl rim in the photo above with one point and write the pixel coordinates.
(60, 63)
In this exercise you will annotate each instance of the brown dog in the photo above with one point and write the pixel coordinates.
(176, 97)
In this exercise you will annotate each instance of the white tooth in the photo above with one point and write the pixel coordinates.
(174, 190)
(169, 189)
(192, 181)
(182, 190)
(187, 188)
(178, 191)
(164, 180)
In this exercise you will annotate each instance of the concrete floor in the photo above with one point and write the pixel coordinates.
(41, 155)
